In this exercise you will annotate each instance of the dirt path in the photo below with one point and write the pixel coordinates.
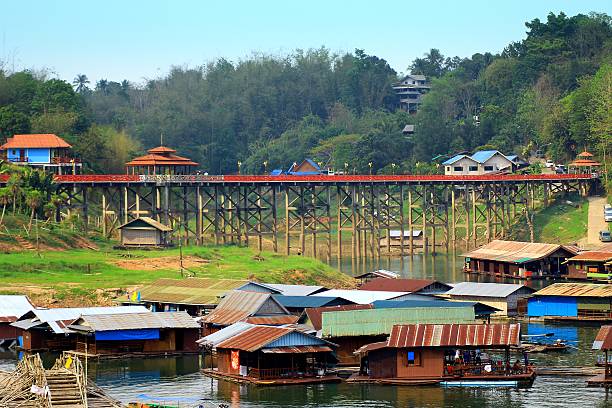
(596, 221)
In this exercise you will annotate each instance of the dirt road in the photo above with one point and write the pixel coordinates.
(596, 220)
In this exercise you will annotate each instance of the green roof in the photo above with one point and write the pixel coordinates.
(371, 322)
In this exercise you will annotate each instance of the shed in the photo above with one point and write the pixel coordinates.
(306, 168)
(144, 232)
(517, 259)
(503, 296)
(136, 333)
(572, 301)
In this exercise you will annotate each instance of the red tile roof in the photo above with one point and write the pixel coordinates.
(397, 285)
(455, 335)
(32, 141)
(161, 155)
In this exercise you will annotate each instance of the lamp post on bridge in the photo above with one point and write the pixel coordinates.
(239, 165)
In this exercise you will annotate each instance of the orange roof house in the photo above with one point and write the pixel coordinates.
(44, 150)
(33, 141)
(160, 160)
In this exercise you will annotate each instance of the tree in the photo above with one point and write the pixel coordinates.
(5, 199)
(33, 199)
(80, 83)
(433, 64)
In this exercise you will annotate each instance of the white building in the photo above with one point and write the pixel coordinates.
(483, 162)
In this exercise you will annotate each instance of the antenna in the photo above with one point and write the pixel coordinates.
(161, 139)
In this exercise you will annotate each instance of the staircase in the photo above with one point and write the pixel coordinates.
(64, 389)
(24, 244)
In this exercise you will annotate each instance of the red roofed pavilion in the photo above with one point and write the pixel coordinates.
(160, 160)
(584, 163)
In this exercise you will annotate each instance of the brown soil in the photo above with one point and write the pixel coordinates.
(46, 297)
(166, 262)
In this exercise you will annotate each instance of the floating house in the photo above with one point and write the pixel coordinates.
(12, 307)
(46, 151)
(595, 265)
(144, 232)
(47, 329)
(414, 286)
(196, 296)
(502, 296)
(265, 355)
(522, 260)
(136, 334)
(250, 307)
(381, 273)
(161, 160)
(298, 304)
(603, 342)
(355, 328)
(364, 297)
(572, 301)
(448, 354)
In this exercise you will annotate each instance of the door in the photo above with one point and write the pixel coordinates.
(22, 155)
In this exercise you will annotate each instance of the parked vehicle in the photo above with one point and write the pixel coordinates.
(539, 154)
(549, 164)
(608, 216)
(560, 169)
(605, 236)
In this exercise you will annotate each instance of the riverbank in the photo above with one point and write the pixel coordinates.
(86, 277)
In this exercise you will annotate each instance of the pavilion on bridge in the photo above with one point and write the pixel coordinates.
(160, 160)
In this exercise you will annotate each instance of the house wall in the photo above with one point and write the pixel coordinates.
(428, 363)
(8, 332)
(35, 156)
(140, 237)
(498, 162)
(270, 307)
(224, 363)
(552, 306)
(465, 164)
(499, 303)
(383, 363)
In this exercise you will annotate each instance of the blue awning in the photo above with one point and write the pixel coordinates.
(132, 334)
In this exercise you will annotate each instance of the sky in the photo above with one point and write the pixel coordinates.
(138, 40)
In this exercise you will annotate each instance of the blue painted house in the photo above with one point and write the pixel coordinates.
(47, 151)
(573, 301)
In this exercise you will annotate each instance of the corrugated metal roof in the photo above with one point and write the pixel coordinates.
(296, 290)
(307, 301)
(400, 285)
(273, 320)
(456, 158)
(297, 350)
(395, 304)
(238, 305)
(254, 338)
(603, 340)
(516, 251)
(596, 256)
(190, 291)
(59, 318)
(371, 322)
(455, 335)
(13, 307)
(132, 321)
(150, 221)
(225, 333)
(496, 290)
(380, 273)
(362, 297)
(371, 347)
(576, 289)
(315, 314)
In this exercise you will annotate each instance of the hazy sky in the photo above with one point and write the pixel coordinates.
(133, 40)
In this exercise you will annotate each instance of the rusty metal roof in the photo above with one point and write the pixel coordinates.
(237, 305)
(254, 338)
(399, 285)
(576, 289)
(190, 291)
(455, 335)
(315, 314)
(297, 349)
(595, 256)
(150, 221)
(273, 320)
(132, 321)
(516, 251)
(603, 340)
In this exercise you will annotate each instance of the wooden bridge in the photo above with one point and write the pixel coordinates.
(344, 214)
(64, 385)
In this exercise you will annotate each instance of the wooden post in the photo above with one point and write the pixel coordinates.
(424, 208)
(287, 222)
(126, 205)
(85, 209)
(410, 223)
(199, 211)
(401, 217)
(274, 219)
(104, 229)
(453, 231)
(474, 215)
(329, 222)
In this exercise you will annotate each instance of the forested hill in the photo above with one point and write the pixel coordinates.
(552, 90)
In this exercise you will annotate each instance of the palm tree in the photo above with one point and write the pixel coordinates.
(34, 200)
(102, 86)
(5, 199)
(15, 184)
(80, 83)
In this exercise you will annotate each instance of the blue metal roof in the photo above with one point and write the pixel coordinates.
(276, 172)
(484, 155)
(310, 301)
(454, 159)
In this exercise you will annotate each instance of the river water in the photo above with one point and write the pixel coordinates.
(178, 381)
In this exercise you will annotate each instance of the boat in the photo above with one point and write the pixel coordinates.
(538, 347)
(501, 383)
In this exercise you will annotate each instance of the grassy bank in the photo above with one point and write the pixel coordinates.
(563, 222)
(83, 276)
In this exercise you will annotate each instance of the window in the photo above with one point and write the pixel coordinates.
(473, 168)
(413, 358)
(458, 168)
(448, 168)
(488, 168)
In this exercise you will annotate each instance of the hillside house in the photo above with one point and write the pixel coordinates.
(410, 91)
(483, 162)
(46, 151)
